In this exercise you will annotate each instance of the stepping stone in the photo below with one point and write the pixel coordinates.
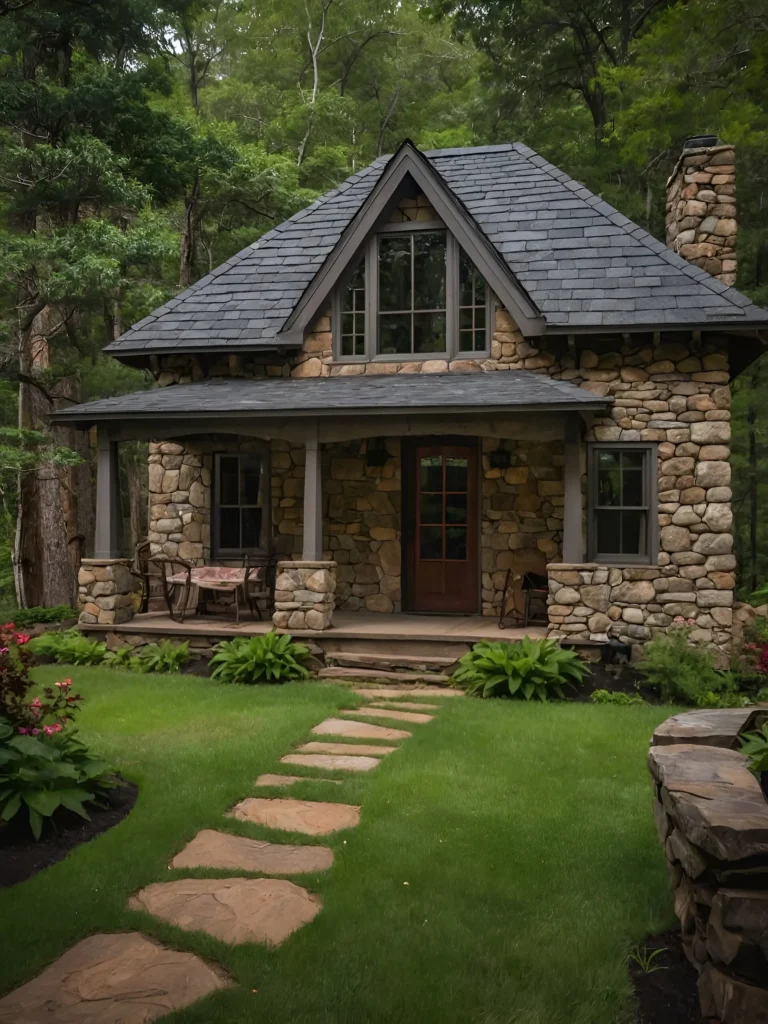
(358, 730)
(311, 817)
(401, 716)
(408, 705)
(368, 749)
(231, 909)
(396, 692)
(210, 849)
(289, 780)
(113, 979)
(333, 762)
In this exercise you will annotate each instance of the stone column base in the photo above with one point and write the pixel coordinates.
(107, 592)
(305, 594)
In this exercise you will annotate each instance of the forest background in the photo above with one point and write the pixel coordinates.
(141, 144)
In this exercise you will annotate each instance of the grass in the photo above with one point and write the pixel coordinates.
(505, 864)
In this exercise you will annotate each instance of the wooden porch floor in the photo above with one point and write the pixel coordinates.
(346, 625)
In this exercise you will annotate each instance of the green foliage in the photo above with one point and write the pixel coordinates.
(163, 657)
(685, 674)
(123, 658)
(615, 697)
(647, 959)
(23, 618)
(755, 746)
(69, 647)
(527, 668)
(271, 658)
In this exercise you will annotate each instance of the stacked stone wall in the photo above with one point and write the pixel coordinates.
(304, 595)
(108, 593)
(179, 501)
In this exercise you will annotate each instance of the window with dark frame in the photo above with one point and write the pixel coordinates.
(622, 512)
(239, 502)
(412, 287)
(352, 312)
(472, 307)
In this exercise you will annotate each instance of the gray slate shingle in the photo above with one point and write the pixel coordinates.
(333, 396)
(561, 242)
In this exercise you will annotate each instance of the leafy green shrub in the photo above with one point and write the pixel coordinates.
(684, 674)
(761, 696)
(755, 746)
(271, 658)
(23, 618)
(69, 647)
(615, 697)
(163, 657)
(527, 668)
(124, 657)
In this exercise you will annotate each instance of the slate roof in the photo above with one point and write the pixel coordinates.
(516, 390)
(582, 263)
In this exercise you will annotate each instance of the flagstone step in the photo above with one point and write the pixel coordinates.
(396, 692)
(367, 749)
(408, 705)
(311, 817)
(419, 663)
(234, 910)
(400, 716)
(333, 762)
(211, 849)
(113, 979)
(289, 780)
(375, 673)
(358, 730)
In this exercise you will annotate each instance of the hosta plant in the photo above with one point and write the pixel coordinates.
(163, 657)
(124, 657)
(271, 658)
(755, 746)
(69, 647)
(528, 668)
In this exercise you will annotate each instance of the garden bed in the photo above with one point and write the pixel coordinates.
(666, 994)
(21, 856)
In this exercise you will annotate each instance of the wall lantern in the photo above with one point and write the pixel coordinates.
(501, 458)
(376, 453)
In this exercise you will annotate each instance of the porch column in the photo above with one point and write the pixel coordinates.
(573, 551)
(312, 549)
(108, 539)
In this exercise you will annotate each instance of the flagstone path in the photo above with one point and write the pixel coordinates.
(130, 979)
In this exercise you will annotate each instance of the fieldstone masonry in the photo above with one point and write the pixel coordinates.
(701, 210)
(304, 595)
(179, 500)
(108, 593)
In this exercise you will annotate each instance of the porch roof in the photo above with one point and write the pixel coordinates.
(500, 391)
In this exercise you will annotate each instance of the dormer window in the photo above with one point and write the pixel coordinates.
(413, 294)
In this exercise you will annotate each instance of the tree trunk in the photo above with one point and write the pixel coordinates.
(753, 475)
(187, 255)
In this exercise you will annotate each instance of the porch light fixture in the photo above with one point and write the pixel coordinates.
(500, 458)
(376, 453)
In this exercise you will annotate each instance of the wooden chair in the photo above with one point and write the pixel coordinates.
(532, 587)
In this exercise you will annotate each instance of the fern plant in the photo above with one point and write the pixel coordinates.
(271, 658)
(69, 647)
(527, 668)
(163, 657)
(124, 657)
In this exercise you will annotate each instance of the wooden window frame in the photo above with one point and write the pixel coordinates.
(370, 253)
(265, 504)
(651, 503)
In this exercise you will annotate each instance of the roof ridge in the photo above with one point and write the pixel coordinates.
(619, 220)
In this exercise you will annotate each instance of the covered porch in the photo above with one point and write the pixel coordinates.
(383, 495)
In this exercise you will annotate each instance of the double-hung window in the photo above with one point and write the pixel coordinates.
(622, 503)
(241, 503)
(412, 294)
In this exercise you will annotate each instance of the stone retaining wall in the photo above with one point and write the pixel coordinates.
(107, 591)
(713, 821)
(305, 595)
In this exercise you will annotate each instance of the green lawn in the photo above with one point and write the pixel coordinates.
(524, 834)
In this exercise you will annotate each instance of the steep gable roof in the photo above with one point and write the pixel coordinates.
(583, 264)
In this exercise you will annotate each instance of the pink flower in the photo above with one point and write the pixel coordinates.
(3, 650)
(21, 638)
(64, 684)
(36, 703)
(22, 731)
(679, 620)
(35, 732)
(57, 727)
(48, 730)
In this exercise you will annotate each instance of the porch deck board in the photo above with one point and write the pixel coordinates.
(346, 625)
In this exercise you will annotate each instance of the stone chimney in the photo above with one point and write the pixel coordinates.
(701, 207)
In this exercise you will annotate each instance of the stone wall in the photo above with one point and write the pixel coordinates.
(304, 595)
(712, 819)
(107, 591)
(179, 501)
(634, 604)
(701, 210)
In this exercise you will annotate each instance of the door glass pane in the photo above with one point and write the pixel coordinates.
(395, 272)
(250, 479)
(608, 532)
(455, 508)
(431, 508)
(429, 332)
(394, 332)
(428, 270)
(456, 474)
(456, 543)
(228, 486)
(251, 527)
(431, 476)
(229, 528)
(431, 542)
(608, 478)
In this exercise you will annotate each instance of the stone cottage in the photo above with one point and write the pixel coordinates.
(455, 364)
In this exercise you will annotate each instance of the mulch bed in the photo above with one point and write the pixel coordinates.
(666, 996)
(621, 677)
(21, 856)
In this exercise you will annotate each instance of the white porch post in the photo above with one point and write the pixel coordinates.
(107, 540)
(572, 513)
(312, 550)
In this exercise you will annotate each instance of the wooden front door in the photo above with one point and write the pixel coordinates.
(441, 528)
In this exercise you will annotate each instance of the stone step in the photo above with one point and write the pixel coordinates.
(399, 716)
(436, 678)
(358, 730)
(396, 692)
(391, 662)
(312, 818)
(333, 762)
(211, 849)
(421, 648)
(405, 705)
